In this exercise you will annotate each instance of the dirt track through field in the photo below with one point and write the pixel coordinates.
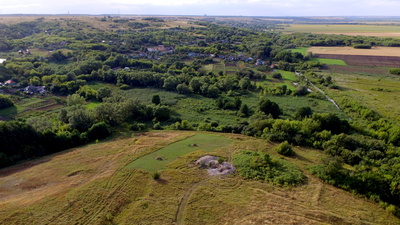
(185, 199)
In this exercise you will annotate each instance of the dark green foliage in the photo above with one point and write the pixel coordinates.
(260, 166)
(395, 71)
(156, 175)
(285, 149)
(303, 112)
(270, 107)
(276, 75)
(301, 90)
(362, 46)
(5, 101)
(244, 111)
(156, 99)
(103, 92)
(162, 113)
(98, 131)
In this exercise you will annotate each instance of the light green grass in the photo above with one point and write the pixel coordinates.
(302, 50)
(11, 110)
(288, 76)
(205, 142)
(330, 61)
(91, 105)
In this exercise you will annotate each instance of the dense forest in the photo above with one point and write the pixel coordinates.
(125, 59)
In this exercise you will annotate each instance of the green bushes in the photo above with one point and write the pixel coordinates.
(125, 87)
(394, 71)
(260, 166)
(362, 46)
(5, 101)
(285, 149)
(276, 75)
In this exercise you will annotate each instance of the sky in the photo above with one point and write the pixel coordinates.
(209, 7)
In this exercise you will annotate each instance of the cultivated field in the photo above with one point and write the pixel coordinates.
(375, 51)
(364, 30)
(364, 60)
(92, 185)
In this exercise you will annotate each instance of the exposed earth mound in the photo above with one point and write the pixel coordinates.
(216, 168)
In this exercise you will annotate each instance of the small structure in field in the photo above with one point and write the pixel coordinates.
(194, 145)
(215, 168)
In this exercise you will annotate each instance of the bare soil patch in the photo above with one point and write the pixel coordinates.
(375, 51)
(364, 60)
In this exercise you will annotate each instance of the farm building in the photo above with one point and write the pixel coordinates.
(10, 83)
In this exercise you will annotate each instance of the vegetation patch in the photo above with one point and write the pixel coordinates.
(160, 159)
(260, 166)
(330, 61)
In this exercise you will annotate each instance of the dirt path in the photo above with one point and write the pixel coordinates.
(184, 201)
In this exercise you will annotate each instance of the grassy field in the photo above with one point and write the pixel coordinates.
(92, 185)
(330, 61)
(365, 30)
(205, 142)
(302, 50)
(359, 87)
(215, 68)
(375, 51)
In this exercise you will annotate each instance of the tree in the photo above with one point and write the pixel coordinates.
(303, 112)
(103, 92)
(75, 99)
(244, 111)
(80, 119)
(71, 76)
(244, 83)
(5, 101)
(35, 81)
(285, 149)
(183, 89)
(195, 85)
(170, 83)
(301, 90)
(212, 91)
(156, 99)
(237, 102)
(270, 107)
(162, 113)
(276, 75)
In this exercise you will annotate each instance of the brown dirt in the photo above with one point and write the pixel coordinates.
(375, 51)
(364, 60)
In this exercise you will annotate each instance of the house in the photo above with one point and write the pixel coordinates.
(20, 52)
(63, 43)
(27, 52)
(212, 55)
(126, 68)
(221, 56)
(35, 90)
(151, 50)
(260, 62)
(248, 59)
(192, 54)
(142, 54)
(10, 83)
(111, 43)
(273, 66)
(161, 48)
(160, 54)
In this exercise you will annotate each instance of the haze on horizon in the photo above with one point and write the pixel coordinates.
(209, 7)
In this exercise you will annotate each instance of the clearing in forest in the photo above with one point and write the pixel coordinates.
(203, 142)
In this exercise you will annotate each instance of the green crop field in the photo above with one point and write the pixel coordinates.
(205, 142)
(302, 50)
(330, 61)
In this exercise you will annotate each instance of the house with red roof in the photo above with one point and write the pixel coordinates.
(10, 83)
